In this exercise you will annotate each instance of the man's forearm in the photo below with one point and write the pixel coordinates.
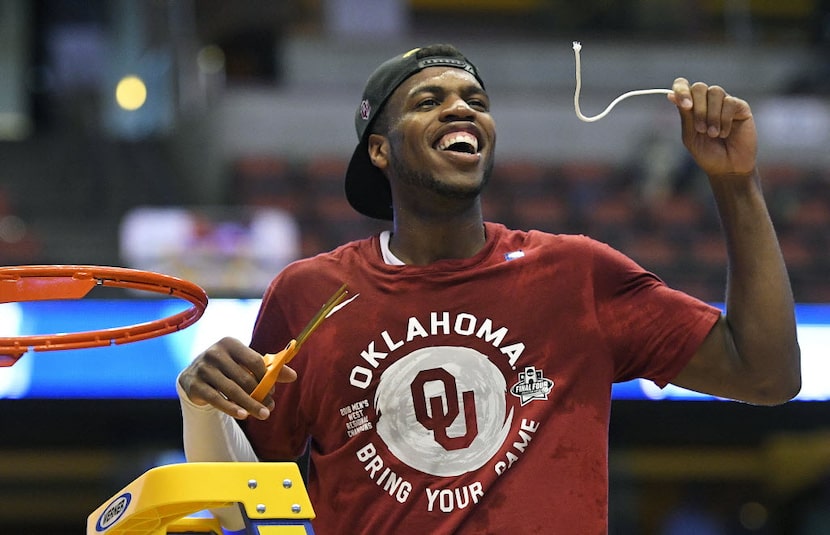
(210, 435)
(759, 301)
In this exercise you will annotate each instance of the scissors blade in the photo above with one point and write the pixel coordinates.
(321, 315)
(275, 361)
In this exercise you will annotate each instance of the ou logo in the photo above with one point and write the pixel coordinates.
(442, 410)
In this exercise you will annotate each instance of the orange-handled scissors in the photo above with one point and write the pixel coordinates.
(275, 361)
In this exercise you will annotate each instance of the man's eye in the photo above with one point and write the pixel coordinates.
(478, 104)
(428, 103)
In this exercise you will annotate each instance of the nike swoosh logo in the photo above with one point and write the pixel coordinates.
(341, 305)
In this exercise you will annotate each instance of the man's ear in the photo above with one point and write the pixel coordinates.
(378, 151)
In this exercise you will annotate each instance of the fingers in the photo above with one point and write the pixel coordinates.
(734, 110)
(216, 389)
(287, 375)
(224, 375)
(708, 120)
(709, 110)
(682, 96)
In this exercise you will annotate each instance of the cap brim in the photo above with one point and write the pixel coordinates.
(367, 189)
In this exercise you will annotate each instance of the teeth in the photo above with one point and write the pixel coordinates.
(458, 137)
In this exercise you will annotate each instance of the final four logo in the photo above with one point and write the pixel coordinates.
(532, 385)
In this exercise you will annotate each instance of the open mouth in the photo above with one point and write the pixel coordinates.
(463, 142)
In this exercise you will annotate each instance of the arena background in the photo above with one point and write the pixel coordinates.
(233, 166)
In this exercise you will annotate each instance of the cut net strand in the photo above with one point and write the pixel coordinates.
(577, 48)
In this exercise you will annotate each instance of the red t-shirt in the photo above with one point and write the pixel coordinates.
(467, 396)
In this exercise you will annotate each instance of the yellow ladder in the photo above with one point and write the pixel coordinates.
(271, 496)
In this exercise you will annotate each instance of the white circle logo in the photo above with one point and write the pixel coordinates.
(442, 410)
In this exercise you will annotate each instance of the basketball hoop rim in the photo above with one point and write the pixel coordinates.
(43, 282)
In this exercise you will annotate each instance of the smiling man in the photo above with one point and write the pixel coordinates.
(427, 139)
(465, 386)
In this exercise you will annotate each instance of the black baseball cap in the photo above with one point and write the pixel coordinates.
(367, 189)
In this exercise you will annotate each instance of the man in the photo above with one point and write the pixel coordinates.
(465, 386)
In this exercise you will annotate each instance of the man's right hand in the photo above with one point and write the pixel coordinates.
(225, 374)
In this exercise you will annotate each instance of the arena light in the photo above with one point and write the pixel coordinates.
(131, 93)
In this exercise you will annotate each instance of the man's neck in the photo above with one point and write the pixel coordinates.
(420, 242)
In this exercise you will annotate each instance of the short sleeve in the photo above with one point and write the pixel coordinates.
(651, 330)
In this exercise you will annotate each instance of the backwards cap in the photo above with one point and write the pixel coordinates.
(367, 189)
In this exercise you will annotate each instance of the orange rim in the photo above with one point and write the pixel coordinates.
(49, 282)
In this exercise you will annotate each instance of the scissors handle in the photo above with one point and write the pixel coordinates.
(273, 364)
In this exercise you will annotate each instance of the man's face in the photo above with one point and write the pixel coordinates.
(441, 136)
